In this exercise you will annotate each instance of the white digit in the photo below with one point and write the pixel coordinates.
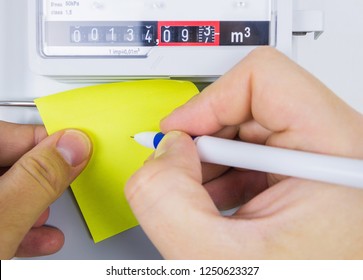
(207, 30)
(248, 32)
(77, 36)
(148, 36)
(167, 35)
(112, 30)
(131, 36)
(94, 34)
(185, 35)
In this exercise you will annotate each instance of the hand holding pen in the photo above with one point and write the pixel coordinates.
(266, 100)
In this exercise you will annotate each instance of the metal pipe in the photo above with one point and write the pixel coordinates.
(17, 104)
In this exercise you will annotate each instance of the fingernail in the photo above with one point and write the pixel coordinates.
(166, 143)
(75, 147)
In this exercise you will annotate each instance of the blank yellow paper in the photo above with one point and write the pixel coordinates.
(110, 114)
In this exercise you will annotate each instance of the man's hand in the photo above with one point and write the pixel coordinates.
(266, 99)
(36, 170)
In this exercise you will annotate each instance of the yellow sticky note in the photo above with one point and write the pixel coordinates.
(110, 114)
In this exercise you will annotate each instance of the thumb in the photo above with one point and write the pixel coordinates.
(37, 180)
(168, 199)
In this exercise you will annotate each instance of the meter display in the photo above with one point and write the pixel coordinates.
(158, 33)
(133, 27)
(113, 40)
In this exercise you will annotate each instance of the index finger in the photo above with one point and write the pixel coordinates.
(17, 139)
(266, 86)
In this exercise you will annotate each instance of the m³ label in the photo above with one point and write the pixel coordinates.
(244, 33)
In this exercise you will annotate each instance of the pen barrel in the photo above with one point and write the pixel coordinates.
(324, 168)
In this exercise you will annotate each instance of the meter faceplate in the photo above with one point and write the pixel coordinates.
(109, 39)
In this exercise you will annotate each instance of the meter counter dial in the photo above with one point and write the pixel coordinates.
(132, 27)
(154, 34)
(132, 39)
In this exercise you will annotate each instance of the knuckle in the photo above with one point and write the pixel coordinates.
(147, 180)
(136, 184)
(263, 52)
(44, 171)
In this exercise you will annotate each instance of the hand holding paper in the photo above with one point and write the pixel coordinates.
(110, 114)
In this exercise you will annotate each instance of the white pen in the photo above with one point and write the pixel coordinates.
(305, 165)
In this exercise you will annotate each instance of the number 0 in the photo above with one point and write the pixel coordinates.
(167, 35)
(94, 34)
(77, 36)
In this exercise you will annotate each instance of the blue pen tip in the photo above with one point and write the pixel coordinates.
(158, 137)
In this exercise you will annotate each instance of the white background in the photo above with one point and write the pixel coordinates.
(336, 58)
